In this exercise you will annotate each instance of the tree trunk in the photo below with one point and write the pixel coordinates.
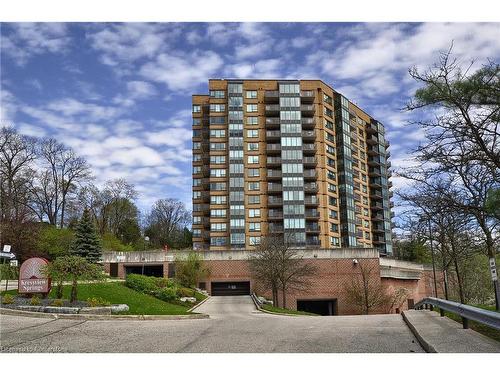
(459, 280)
(59, 290)
(74, 287)
(283, 290)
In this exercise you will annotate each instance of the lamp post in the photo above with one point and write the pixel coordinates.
(146, 239)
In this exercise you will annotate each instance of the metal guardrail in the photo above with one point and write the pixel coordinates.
(466, 312)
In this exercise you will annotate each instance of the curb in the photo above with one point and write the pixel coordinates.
(257, 305)
(198, 304)
(32, 314)
(423, 343)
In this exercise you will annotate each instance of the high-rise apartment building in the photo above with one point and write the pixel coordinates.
(288, 157)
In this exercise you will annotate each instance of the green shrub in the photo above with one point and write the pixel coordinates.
(57, 303)
(186, 292)
(140, 283)
(97, 301)
(167, 294)
(7, 299)
(35, 301)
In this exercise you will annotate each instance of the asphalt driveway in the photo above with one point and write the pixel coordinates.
(235, 326)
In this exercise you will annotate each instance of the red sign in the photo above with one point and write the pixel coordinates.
(31, 278)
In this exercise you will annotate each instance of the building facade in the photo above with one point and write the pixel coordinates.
(288, 157)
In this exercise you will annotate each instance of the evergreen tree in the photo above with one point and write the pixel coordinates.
(87, 244)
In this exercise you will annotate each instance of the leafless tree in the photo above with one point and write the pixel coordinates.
(365, 289)
(166, 219)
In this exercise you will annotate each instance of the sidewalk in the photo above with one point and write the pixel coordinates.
(443, 335)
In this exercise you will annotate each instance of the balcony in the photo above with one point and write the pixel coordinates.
(273, 134)
(273, 161)
(274, 174)
(273, 148)
(311, 200)
(310, 174)
(313, 242)
(378, 240)
(387, 144)
(312, 214)
(275, 228)
(373, 151)
(374, 161)
(312, 228)
(377, 206)
(272, 121)
(377, 217)
(271, 96)
(311, 188)
(308, 123)
(372, 140)
(273, 201)
(307, 109)
(309, 161)
(309, 148)
(307, 96)
(274, 188)
(376, 194)
(378, 228)
(272, 109)
(275, 215)
(371, 128)
(309, 135)
(374, 172)
(376, 182)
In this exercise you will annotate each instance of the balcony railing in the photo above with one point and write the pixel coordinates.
(309, 147)
(312, 227)
(274, 201)
(308, 134)
(273, 134)
(309, 160)
(275, 228)
(273, 173)
(307, 96)
(311, 200)
(310, 173)
(272, 108)
(272, 120)
(310, 188)
(311, 214)
(273, 160)
(271, 96)
(273, 147)
(274, 187)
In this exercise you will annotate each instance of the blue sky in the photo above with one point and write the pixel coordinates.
(120, 94)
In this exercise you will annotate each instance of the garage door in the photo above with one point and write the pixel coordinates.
(231, 288)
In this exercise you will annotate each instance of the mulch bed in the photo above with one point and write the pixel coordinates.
(23, 301)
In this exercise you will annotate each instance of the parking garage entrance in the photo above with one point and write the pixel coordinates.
(231, 288)
(146, 270)
(318, 306)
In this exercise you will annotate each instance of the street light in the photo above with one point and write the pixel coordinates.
(146, 239)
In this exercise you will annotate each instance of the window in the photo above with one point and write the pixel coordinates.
(196, 194)
(218, 133)
(291, 128)
(236, 196)
(294, 223)
(196, 145)
(289, 88)
(251, 94)
(196, 121)
(218, 186)
(334, 214)
(196, 108)
(217, 159)
(328, 124)
(235, 115)
(196, 157)
(235, 127)
(327, 112)
(217, 120)
(252, 133)
(254, 212)
(196, 232)
(332, 188)
(218, 213)
(252, 120)
(334, 227)
(196, 170)
(287, 101)
(293, 195)
(235, 154)
(335, 241)
(218, 227)
(237, 238)
(196, 219)
(236, 168)
(196, 181)
(292, 168)
(237, 223)
(327, 99)
(236, 182)
(291, 141)
(235, 88)
(254, 227)
(218, 94)
(293, 209)
(217, 172)
(217, 146)
(235, 102)
(253, 199)
(254, 241)
(236, 142)
(253, 172)
(237, 210)
(253, 186)
(253, 159)
(218, 199)
(218, 241)
(217, 107)
(293, 181)
(290, 115)
(253, 146)
(331, 175)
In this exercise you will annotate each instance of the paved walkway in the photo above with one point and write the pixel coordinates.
(444, 335)
(235, 326)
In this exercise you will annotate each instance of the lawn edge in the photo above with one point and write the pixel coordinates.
(423, 343)
(271, 312)
(198, 304)
(34, 314)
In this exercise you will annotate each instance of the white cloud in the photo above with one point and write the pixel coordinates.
(21, 41)
(182, 71)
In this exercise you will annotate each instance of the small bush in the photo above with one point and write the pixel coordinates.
(7, 299)
(186, 292)
(35, 301)
(167, 294)
(97, 301)
(57, 303)
(140, 283)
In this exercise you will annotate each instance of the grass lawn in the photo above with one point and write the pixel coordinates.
(478, 327)
(117, 292)
(271, 308)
